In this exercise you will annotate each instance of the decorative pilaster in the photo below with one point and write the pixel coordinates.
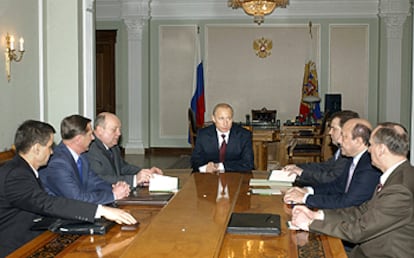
(87, 106)
(135, 14)
(393, 13)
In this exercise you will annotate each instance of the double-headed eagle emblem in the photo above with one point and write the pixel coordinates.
(262, 47)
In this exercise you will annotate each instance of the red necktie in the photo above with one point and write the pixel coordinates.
(223, 148)
(379, 187)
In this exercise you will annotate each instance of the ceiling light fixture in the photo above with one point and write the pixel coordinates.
(258, 8)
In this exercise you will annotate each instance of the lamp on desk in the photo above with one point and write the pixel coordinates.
(311, 100)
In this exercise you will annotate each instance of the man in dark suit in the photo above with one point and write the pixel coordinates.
(223, 146)
(384, 225)
(312, 174)
(22, 198)
(68, 173)
(105, 158)
(356, 183)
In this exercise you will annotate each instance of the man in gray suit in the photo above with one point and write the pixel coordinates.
(104, 154)
(383, 226)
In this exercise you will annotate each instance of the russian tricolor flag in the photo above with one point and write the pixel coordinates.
(197, 101)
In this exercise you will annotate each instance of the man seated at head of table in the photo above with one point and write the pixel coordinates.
(223, 146)
(312, 174)
(357, 181)
(104, 154)
(22, 198)
(384, 225)
(68, 173)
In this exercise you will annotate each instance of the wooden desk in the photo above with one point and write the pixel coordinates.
(193, 224)
(261, 138)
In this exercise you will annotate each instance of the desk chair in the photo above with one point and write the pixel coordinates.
(310, 143)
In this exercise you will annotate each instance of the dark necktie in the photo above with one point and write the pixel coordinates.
(223, 148)
(79, 164)
(111, 154)
(350, 174)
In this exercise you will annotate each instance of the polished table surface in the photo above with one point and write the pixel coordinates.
(193, 224)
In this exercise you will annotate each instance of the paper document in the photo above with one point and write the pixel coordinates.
(282, 176)
(161, 183)
(266, 182)
(291, 226)
(266, 191)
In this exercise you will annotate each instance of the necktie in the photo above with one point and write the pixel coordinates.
(350, 174)
(223, 148)
(379, 187)
(79, 164)
(337, 154)
(111, 154)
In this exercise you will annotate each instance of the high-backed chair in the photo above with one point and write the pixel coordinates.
(7, 155)
(310, 143)
(192, 127)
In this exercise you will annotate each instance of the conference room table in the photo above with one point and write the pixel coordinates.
(193, 224)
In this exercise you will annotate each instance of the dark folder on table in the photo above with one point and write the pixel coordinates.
(65, 226)
(146, 199)
(254, 224)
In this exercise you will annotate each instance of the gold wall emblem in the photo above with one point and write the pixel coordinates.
(262, 47)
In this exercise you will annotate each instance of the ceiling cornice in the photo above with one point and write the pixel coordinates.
(217, 9)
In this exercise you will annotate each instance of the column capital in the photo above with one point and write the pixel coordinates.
(135, 14)
(394, 13)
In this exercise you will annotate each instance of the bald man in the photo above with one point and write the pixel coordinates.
(357, 181)
(104, 154)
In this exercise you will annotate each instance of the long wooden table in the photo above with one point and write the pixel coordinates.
(193, 224)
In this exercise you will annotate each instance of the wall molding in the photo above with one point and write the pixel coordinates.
(217, 9)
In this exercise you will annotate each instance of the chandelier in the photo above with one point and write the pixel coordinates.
(258, 8)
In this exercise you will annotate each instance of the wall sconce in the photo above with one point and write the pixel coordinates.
(11, 54)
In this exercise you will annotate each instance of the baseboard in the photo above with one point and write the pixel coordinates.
(168, 151)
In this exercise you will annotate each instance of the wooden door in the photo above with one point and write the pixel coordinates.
(105, 70)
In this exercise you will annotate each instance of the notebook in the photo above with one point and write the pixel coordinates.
(136, 198)
(254, 224)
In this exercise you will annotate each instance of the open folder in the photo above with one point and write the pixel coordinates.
(137, 198)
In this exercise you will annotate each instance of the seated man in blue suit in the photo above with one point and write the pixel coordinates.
(312, 174)
(68, 173)
(223, 146)
(358, 180)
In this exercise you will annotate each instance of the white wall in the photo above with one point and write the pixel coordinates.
(19, 98)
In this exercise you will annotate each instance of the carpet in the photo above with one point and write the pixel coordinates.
(183, 162)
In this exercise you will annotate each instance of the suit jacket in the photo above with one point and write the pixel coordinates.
(381, 227)
(332, 195)
(239, 151)
(318, 173)
(61, 178)
(22, 199)
(111, 169)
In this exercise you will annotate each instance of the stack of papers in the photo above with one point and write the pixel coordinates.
(278, 182)
(266, 191)
(161, 183)
(281, 176)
